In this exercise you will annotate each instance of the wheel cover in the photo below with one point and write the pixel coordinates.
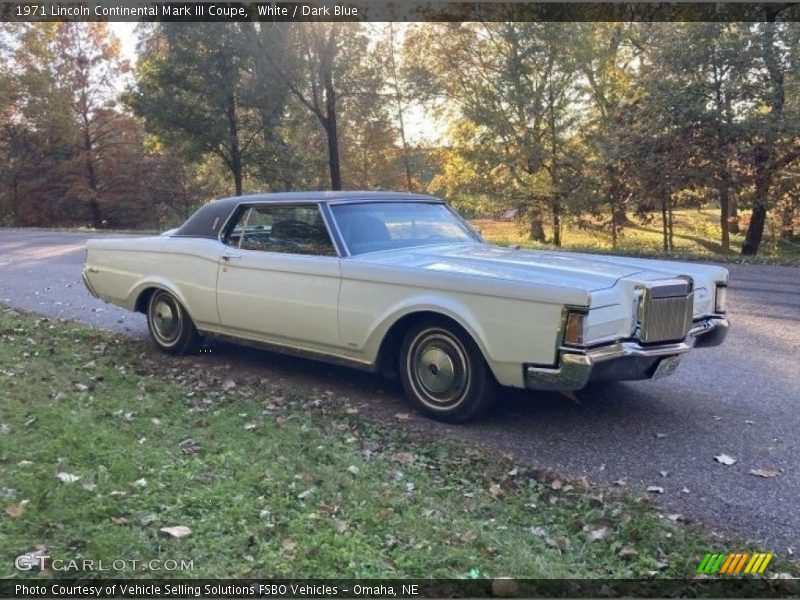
(166, 319)
(439, 369)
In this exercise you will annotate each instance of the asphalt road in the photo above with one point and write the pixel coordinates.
(741, 399)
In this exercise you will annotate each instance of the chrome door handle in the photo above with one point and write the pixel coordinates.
(230, 257)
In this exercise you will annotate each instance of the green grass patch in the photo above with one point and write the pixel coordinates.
(104, 442)
(696, 236)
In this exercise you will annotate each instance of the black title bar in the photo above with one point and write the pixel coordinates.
(384, 588)
(412, 10)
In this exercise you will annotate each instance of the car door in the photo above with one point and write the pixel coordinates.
(278, 277)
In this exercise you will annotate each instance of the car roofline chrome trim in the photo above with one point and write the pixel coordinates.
(334, 231)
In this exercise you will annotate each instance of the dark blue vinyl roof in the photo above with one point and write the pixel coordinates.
(209, 219)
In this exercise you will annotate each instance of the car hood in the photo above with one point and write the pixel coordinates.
(528, 266)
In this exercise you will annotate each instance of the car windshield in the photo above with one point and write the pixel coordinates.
(371, 227)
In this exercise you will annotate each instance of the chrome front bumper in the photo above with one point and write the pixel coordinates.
(621, 361)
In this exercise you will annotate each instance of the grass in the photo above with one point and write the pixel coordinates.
(696, 236)
(103, 443)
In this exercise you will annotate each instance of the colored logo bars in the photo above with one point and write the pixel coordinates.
(734, 563)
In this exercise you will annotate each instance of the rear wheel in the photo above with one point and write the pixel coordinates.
(444, 373)
(171, 328)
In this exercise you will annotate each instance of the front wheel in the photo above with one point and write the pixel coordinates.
(444, 373)
(171, 328)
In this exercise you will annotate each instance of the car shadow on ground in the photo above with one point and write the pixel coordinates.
(603, 405)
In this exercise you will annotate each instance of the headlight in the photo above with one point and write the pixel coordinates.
(721, 298)
(575, 332)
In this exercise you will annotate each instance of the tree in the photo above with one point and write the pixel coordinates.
(777, 135)
(512, 89)
(400, 95)
(90, 62)
(58, 122)
(323, 66)
(703, 79)
(606, 57)
(195, 88)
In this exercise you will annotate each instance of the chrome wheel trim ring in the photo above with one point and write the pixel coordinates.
(438, 369)
(166, 319)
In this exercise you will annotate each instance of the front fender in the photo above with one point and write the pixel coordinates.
(457, 311)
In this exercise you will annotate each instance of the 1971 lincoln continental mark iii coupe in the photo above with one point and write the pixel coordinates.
(399, 283)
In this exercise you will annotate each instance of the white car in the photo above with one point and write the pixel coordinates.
(399, 283)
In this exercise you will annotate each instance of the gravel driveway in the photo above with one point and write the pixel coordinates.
(741, 399)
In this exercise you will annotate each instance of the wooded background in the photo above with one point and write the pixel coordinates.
(552, 123)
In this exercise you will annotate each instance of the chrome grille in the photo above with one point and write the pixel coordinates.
(666, 317)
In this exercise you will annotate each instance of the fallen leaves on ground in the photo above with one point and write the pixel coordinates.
(189, 446)
(68, 477)
(725, 459)
(404, 458)
(15, 510)
(538, 532)
(176, 531)
(627, 552)
(495, 491)
(765, 473)
(675, 517)
(599, 534)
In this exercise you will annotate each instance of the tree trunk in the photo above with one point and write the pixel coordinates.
(734, 216)
(332, 133)
(764, 152)
(237, 180)
(400, 119)
(91, 177)
(755, 231)
(613, 223)
(664, 223)
(556, 223)
(536, 231)
(669, 224)
(15, 199)
(235, 149)
(787, 220)
(724, 211)
(617, 205)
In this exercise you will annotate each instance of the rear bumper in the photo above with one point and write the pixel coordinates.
(621, 361)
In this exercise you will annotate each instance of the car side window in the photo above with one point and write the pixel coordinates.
(289, 229)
